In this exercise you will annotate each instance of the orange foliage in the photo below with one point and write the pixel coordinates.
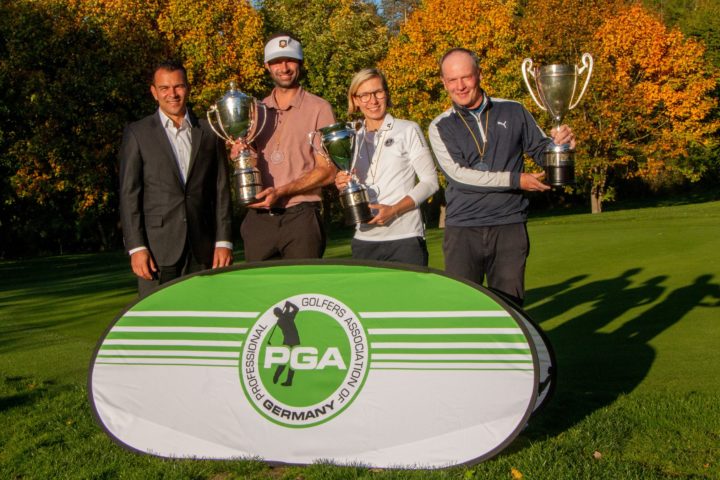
(649, 101)
(219, 41)
(484, 26)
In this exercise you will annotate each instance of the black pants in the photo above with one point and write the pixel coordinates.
(293, 233)
(406, 250)
(498, 253)
(186, 265)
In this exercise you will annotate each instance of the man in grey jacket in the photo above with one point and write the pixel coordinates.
(174, 191)
(479, 144)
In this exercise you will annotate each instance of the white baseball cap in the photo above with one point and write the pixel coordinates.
(283, 47)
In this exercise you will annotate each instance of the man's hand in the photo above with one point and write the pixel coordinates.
(142, 264)
(236, 147)
(342, 179)
(532, 182)
(563, 135)
(267, 198)
(222, 257)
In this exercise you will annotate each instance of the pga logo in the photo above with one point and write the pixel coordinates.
(304, 360)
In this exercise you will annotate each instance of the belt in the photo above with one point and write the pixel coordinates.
(282, 211)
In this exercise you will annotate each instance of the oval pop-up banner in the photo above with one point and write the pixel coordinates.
(294, 363)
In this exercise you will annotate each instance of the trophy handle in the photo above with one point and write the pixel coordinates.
(587, 62)
(318, 151)
(255, 108)
(527, 67)
(213, 110)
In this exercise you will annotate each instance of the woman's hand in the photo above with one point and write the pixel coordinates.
(385, 214)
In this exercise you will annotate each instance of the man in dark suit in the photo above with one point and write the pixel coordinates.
(174, 190)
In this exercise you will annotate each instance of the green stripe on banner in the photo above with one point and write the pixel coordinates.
(495, 338)
(488, 351)
(173, 336)
(417, 322)
(169, 357)
(191, 348)
(185, 322)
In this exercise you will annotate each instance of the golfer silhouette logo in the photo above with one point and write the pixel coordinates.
(291, 337)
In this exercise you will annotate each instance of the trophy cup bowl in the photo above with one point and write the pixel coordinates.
(556, 86)
(337, 143)
(235, 116)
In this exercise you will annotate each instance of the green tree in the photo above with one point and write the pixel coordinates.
(339, 37)
(395, 12)
(68, 86)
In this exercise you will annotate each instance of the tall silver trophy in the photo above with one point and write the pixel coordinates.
(239, 116)
(337, 143)
(557, 85)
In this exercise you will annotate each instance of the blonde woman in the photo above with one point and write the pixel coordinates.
(389, 156)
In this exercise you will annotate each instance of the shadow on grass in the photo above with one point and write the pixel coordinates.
(16, 391)
(45, 300)
(64, 276)
(596, 367)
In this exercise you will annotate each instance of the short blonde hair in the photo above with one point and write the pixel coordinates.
(361, 77)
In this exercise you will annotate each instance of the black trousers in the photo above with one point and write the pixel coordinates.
(293, 233)
(406, 250)
(497, 252)
(186, 265)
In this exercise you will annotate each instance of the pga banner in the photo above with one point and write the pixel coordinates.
(353, 363)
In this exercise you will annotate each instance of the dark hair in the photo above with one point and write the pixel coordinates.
(473, 56)
(170, 66)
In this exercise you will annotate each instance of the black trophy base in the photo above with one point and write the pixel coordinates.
(358, 213)
(559, 168)
(356, 205)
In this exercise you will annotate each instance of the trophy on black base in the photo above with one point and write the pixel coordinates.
(556, 85)
(235, 116)
(337, 144)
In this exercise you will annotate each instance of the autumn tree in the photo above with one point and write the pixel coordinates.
(68, 85)
(484, 26)
(339, 37)
(649, 105)
(218, 41)
(560, 31)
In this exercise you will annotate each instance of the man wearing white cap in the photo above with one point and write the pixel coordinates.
(286, 223)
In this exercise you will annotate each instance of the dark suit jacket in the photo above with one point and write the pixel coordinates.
(159, 212)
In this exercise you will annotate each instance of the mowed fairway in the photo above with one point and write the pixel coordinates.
(630, 300)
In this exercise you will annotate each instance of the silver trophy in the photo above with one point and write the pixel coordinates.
(236, 116)
(337, 145)
(556, 86)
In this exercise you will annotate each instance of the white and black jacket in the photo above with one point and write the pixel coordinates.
(485, 191)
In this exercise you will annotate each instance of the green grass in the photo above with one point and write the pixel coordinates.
(630, 300)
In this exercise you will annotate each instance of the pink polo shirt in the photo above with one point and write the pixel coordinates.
(284, 153)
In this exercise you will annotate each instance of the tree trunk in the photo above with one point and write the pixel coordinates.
(441, 219)
(596, 200)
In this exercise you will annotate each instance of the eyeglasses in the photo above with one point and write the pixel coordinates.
(365, 97)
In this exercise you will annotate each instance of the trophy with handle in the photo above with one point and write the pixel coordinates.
(236, 116)
(556, 86)
(337, 144)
